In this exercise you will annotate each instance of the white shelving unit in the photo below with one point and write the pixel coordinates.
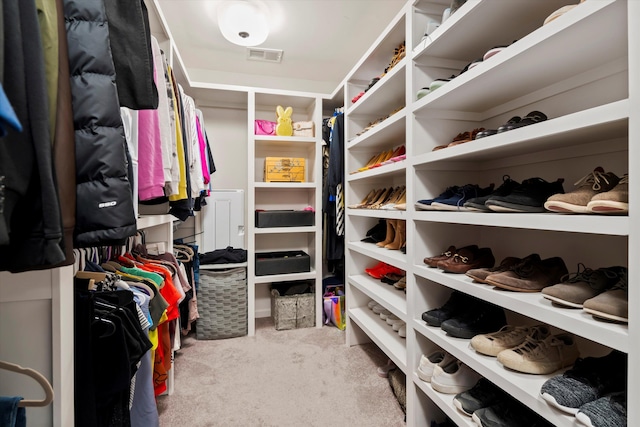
(284, 195)
(582, 81)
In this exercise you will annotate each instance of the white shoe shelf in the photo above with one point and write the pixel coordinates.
(577, 70)
(284, 195)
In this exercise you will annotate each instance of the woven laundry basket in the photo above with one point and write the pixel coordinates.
(222, 304)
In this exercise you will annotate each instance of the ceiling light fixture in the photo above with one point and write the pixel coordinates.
(243, 22)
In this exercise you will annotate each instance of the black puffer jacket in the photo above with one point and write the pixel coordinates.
(104, 213)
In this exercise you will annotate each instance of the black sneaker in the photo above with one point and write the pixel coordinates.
(479, 317)
(457, 304)
(589, 379)
(477, 203)
(529, 197)
(509, 413)
(481, 395)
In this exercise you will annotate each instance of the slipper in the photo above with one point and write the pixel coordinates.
(558, 13)
(496, 49)
(530, 119)
(422, 92)
(437, 84)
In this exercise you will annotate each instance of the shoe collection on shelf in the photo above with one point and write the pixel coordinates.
(494, 319)
(596, 193)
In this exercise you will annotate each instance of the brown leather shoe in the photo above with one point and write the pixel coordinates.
(433, 260)
(531, 275)
(466, 259)
(479, 274)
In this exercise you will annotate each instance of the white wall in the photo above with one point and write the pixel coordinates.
(228, 138)
(227, 133)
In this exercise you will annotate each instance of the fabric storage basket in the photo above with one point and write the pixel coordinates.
(222, 304)
(293, 311)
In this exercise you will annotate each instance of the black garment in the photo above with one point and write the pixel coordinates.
(229, 255)
(109, 343)
(29, 205)
(104, 213)
(335, 176)
(130, 41)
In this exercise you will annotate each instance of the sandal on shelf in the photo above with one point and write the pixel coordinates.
(465, 137)
(530, 119)
(488, 132)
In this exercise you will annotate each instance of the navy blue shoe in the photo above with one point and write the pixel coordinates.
(456, 201)
(425, 204)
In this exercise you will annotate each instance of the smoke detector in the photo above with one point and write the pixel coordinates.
(264, 55)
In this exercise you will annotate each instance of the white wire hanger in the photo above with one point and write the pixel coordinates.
(48, 390)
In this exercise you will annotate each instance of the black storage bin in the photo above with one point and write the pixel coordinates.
(282, 263)
(266, 219)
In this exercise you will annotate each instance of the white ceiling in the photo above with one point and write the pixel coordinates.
(322, 41)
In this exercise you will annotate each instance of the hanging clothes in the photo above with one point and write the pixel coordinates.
(130, 45)
(106, 215)
(12, 415)
(64, 153)
(31, 215)
(335, 178)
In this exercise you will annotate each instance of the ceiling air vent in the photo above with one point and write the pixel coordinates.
(265, 55)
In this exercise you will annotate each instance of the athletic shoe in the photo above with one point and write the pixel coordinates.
(397, 324)
(402, 331)
(541, 357)
(453, 378)
(588, 186)
(509, 413)
(613, 202)
(481, 395)
(529, 197)
(586, 283)
(425, 204)
(588, 380)
(478, 203)
(608, 411)
(507, 337)
(428, 363)
(457, 200)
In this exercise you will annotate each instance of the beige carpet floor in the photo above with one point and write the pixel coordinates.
(299, 378)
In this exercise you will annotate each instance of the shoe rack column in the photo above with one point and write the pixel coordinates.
(587, 95)
(264, 195)
(375, 160)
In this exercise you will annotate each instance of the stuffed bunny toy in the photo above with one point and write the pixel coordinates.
(284, 126)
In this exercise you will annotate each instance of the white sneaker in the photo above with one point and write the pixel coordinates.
(384, 314)
(377, 309)
(402, 331)
(371, 304)
(397, 324)
(391, 318)
(453, 378)
(428, 363)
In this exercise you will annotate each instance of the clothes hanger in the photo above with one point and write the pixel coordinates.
(48, 390)
(109, 323)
